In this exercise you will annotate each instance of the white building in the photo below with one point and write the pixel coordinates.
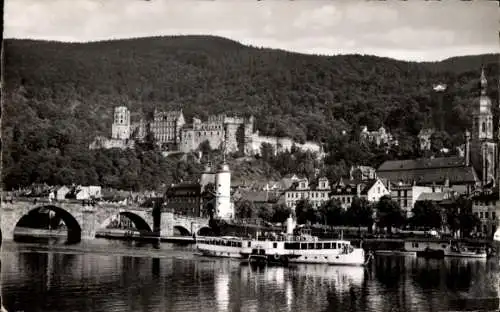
(61, 192)
(406, 195)
(487, 208)
(345, 192)
(224, 208)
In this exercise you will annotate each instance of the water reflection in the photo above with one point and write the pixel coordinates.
(103, 282)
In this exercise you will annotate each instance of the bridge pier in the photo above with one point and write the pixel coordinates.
(8, 222)
(167, 224)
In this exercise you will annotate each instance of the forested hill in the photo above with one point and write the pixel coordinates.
(303, 96)
(61, 94)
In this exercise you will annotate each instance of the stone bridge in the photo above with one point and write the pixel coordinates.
(82, 221)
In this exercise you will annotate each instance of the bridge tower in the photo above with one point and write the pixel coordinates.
(224, 208)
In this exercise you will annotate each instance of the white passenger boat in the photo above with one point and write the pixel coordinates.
(284, 249)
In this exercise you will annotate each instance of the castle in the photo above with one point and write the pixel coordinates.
(173, 134)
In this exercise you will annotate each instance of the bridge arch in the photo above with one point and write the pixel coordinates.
(205, 231)
(181, 230)
(73, 227)
(139, 222)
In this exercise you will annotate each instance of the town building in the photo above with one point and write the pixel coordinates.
(486, 206)
(362, 173)
(344, 192)
(185, 199)
(377, 137)
(406, 195)
(424, 139)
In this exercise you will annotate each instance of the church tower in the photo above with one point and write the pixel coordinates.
(484, 147)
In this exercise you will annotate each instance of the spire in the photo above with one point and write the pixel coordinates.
(484, 82)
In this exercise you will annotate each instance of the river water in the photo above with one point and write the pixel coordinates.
(106, 275)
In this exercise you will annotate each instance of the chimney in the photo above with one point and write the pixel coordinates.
(467, 148)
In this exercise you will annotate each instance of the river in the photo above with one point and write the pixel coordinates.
(106, 275)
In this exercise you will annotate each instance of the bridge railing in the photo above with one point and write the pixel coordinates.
(82, 202)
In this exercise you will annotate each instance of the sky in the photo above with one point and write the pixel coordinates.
(415, 30)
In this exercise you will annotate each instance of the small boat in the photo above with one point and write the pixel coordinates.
(402, 253)
(438, 249)
(456, 250)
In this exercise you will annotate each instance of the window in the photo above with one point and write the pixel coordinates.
(319, 245)
(310, 245)
(275, 245)
(493, 215)
(303, 245)
(327, 245)
(483, 127)
(481, 214)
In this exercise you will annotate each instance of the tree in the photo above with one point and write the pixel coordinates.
(426, 214)
(301, 211)
(389, 213)
(205, 147)
(267, 152)
(332, 212)
(360, 213)
(460, 217)
(265, 212)
(281, 213)
(245, 209)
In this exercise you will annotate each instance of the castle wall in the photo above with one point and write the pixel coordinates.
(105, 143)
(192, 138)
(281, 144)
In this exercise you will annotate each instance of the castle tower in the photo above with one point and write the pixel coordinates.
(483, 147)
(121, 124)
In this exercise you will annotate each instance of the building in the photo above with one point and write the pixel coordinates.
(185, 199)
(483, 148)
(166, 128)
(424, 139)
(234, 132)
(453, 171)
(344, 192)
(224, 207)
(120, 132)
(371, 190)
(487, 207)
(120, 129)
(378, 137)
(406, 195)
(300, 189)
(61, 192)
(362, 173)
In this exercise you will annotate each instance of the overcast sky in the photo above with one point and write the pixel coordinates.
(414, 30)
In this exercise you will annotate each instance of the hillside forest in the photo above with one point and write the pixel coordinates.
(59, 96)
